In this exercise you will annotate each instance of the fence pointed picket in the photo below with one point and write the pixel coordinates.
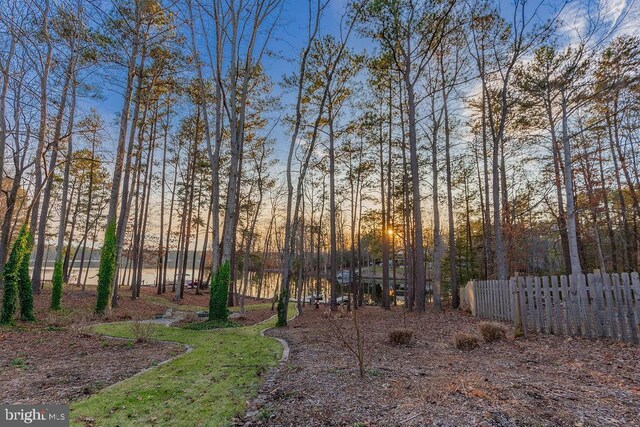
(494, 305)
(500, 314)
(539, 311)
(520, 284)
(635, 287)
(595, 288)
(546, 297)
(557, 306)
(507, 300)
(631, 317)
(584, 305)
(610, 306)
(566, 304)
(480, 302)
(496, 290)
(487, 293)
(578, 304)
(615, 283)
(574, 305)
(533, 320)
(499, 301)
(515, 308)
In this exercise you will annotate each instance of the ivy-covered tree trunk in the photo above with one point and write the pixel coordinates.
(25, 290)
(56, 291)
(107, 268)
(218, 296)
(11, 268)
(282, 312)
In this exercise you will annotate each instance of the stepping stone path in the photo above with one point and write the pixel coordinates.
(169, 317)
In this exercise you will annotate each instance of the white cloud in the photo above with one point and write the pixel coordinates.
(612, 10)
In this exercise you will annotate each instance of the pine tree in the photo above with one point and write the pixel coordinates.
(107, 268)
(25, 290)
(56, 291)
(219, 293)
(9, 297)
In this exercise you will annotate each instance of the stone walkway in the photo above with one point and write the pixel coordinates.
(169, 317)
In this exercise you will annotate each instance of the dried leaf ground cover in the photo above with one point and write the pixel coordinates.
(538, 381)
(57, 360)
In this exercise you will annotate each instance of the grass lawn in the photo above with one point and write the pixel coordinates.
(205, 387)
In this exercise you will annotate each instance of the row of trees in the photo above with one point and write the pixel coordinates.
(468, 143)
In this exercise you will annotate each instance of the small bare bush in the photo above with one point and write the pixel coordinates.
(492, 331)
(82, 327)
(465, 341)
(142, 331)
(353, 340)
(400, 336)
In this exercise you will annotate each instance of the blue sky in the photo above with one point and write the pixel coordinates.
(290, 34)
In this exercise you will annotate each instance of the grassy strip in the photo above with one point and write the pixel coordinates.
(211, 324)
(205, 387)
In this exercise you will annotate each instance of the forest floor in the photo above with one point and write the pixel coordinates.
(58, 359)
(533, 381)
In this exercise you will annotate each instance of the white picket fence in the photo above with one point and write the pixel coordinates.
(592, 305)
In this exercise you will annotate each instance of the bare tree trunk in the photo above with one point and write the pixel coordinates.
(419, 260)
(62, 226)
(46, 194)
(453, 271)
(168, 245)
(3, 99)
(67, 265)
(333, 280)
(576, 268)
(42, 130)
(437, 239)
(123, 216)
(161, 249)
(384, 239)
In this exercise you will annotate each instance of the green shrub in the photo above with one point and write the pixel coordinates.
(56, 291)
(25, 290)
(219, 294)
(107, 268)
(11, 269)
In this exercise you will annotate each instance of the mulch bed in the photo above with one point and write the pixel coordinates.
(56, 360)
(537, 381)
(45, 367)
